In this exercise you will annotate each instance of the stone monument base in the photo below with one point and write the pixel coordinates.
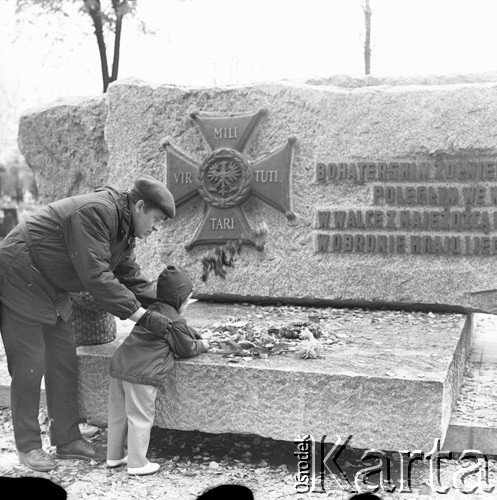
(390, 382)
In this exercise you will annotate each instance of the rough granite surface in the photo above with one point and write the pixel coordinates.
(331, 124)
(391, 383)
(385, 123)
(64, 145)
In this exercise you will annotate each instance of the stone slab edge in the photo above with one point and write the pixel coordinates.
(216, 397)
(460, 435)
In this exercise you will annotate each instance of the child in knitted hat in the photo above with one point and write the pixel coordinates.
(140, 365)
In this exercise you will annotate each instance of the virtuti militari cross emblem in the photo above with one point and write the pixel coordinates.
(226, 178)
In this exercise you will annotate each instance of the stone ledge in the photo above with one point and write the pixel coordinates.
(463, 435)
(392, 386)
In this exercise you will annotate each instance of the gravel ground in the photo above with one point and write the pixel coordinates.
(192, 462)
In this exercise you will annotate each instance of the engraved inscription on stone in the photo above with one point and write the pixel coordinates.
(443, 207)
(226, 178)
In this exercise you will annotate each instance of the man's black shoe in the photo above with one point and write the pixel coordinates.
(81, 450)
(38, 460)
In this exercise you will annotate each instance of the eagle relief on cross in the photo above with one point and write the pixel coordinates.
(227, 178)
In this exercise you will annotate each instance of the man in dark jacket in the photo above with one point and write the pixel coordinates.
(80, 243)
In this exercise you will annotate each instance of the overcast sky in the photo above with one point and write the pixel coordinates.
(220, 42)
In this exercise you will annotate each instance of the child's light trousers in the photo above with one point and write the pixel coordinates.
(131, 416)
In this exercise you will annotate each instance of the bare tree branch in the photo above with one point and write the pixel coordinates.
(95, 11)
(120, 8)
(108, 21)
(367, 43)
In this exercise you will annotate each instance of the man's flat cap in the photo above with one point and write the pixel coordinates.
(157, 193)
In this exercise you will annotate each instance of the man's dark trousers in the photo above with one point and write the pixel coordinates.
(34, 350)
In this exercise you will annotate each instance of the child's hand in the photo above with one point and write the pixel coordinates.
(205, 344)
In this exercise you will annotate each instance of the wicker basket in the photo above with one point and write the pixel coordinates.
(90, 323)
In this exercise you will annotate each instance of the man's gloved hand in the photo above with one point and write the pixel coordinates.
(155, 323)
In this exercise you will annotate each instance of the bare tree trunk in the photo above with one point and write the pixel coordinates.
(367, 43)
(117, 46)
(94, 10)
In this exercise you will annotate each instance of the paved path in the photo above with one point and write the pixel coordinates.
(474, 420)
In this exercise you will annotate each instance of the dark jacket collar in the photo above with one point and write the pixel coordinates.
(123, 203)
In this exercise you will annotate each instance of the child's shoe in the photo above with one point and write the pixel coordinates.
(149, 468)
(116, 463)
(88, 430)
